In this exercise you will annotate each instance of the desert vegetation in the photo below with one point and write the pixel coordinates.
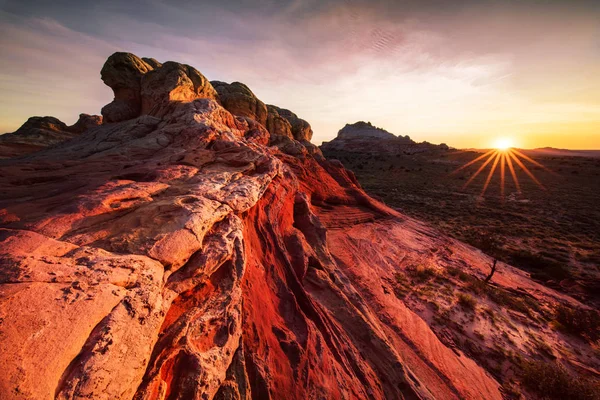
(553, 234)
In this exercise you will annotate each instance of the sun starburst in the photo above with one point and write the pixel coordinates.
(502, 155)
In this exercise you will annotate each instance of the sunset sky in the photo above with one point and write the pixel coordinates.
(459, 72)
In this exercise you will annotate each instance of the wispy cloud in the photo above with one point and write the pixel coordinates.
(434, 71)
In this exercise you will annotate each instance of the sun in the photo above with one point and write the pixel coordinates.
(503, 143)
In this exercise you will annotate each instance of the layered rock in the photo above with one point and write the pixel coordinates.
(185, 258)
(171, 82)
(38, 133)
(238, 99)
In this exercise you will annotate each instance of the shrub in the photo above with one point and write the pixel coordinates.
(459, 273)
(552, 381)
(421, 272)
(466, 301)
(523, 304)
(579, 322)
(401, 286)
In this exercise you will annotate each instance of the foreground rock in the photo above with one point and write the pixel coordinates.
(185, 258)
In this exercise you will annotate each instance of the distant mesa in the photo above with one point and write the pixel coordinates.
(363, 129)
(38, 133)
(363, 137)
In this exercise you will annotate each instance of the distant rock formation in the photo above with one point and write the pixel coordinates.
(363, 137)
(41, 132)
(363, 130)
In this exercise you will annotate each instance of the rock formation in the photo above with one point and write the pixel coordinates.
(123, 72)
(363, 129)
(238, 99)
(300, 129)
(41, 132)
(363, 137)
(174, 254)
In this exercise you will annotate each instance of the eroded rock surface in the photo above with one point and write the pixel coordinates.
(178, 256)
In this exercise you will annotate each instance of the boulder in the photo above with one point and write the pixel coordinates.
(173, 82)
(277, 125)
(238, 99)
(301, 129)
(85, 122)
(123, 72)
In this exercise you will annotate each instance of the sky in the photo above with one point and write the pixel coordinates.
(465, 73)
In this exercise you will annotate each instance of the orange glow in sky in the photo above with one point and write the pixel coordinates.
(464, 73)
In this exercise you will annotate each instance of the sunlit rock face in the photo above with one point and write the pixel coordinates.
(299, 128)
(170, 252)
(238, 99)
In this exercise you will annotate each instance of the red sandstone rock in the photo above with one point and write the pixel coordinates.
(176, 255)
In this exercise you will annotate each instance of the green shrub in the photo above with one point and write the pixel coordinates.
(466, 301)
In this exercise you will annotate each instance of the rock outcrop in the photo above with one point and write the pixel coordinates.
(238, 99)
(185, 258)
(41, 132)
(362, 130)
(300, 129)
(277, 125)
(145, 86)
(123, 72)
(363, 137)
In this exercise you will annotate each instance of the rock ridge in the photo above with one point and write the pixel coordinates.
(182, 251)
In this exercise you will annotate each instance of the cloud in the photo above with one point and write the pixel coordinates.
(452, 70)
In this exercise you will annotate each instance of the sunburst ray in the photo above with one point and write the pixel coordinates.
(492, 170)
(513, 173)
(526, 170)
(490, 158)
(502, 175)
(531, 160)
(472, 162)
